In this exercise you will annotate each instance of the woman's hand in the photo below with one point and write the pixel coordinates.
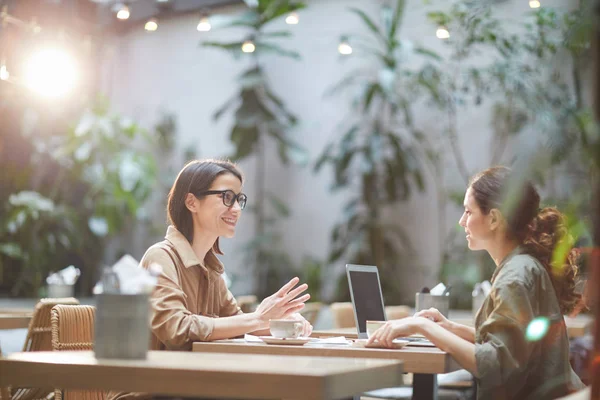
(306, 326)
(282, 303)
(436, 316)
(397, 328)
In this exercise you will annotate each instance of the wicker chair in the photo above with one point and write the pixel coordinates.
(73, 329)
(4, 391)
(39, 338)
(310, 312)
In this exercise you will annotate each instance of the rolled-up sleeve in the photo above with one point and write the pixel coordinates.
(502, 351)
(172, 322)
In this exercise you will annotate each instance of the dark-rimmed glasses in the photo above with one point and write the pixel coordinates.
(229, 197)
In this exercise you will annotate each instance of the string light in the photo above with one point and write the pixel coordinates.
(151, 25)
(248, 46)
(292, 19)
(123, 12)
(344, 47)
(204, 24)
(534, 4)
(442, 33)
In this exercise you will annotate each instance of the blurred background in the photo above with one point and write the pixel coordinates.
(357, 124)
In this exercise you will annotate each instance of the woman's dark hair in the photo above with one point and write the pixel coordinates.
(196, 177)
(538, 231)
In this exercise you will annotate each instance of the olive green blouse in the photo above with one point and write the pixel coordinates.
(510, 365)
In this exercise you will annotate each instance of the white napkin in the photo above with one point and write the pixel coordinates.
(133, 279)
(67, 276)
(438, 290)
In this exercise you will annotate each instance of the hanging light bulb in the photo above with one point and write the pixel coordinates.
(442, 33)
(4, 75)
(151, 25)
(204, 24)
(292, 19)
(123, 12)
(534, 4)
(248, 46)
(344, 47)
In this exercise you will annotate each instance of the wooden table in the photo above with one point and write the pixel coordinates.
(576, 327)
(15, 319)
(203, 374)
(424, 362)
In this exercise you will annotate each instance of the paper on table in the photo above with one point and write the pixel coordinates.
(252, 338)
(333, 340)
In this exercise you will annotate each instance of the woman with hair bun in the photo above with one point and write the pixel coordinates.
(527, 284)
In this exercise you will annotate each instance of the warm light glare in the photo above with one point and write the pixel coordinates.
(292, 19)
(345, 48)
(204, 25)
(151, 25)
(4, 75)
(534, 4)
(442, 33)
(248, 47)
(123, 12)
(51, 73)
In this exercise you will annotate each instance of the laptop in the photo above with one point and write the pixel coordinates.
(365, 292)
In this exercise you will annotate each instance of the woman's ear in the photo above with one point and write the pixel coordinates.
(190, 202)
(495, 219)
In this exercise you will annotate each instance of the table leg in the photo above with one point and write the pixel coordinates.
(425, 387)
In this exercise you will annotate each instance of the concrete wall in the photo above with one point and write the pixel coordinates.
(168, 70)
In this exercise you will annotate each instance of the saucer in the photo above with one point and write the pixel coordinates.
(288, 341)
(397, 343)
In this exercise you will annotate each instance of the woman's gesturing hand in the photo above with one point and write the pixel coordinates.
(282, 303)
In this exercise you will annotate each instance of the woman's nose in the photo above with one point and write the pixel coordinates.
(461, 221)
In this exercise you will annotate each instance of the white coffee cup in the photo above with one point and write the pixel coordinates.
(372, 326)
(285, 328)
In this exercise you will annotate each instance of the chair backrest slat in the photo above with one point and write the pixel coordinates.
(73, 329)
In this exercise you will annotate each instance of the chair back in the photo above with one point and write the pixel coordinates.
(39, 333)
(343, 315)
(39, 338)
(4, 391)
(310, 312)
(73, 329)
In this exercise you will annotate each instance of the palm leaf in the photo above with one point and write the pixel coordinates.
(369, 22)
(400, 4)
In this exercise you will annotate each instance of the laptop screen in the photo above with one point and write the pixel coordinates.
(366, 296)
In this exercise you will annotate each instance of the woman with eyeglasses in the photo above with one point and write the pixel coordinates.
(519, 347)
(191, 301)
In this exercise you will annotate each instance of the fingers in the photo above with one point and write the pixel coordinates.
(288, 286)
(301, 299)
(296, 292)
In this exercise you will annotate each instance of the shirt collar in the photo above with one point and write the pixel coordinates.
(514, 252)
(189, 258)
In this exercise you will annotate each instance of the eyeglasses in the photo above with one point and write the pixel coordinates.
(229, 197)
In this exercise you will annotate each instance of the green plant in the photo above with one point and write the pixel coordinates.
(260, 116)
(536, 101)
(376, 158)
(83, 187)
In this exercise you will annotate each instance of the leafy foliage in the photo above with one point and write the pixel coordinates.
(95, 183)
(376, 156)
(261, 116)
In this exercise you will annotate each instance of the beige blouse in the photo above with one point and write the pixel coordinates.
(188, 296)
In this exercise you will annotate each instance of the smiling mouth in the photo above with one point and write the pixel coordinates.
(230, 221)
